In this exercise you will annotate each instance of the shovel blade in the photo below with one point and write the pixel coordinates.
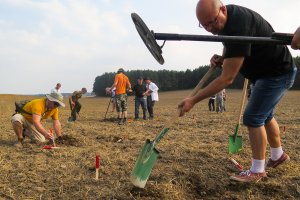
(143, 166)
(235, 144)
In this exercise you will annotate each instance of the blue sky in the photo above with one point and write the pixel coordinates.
(73, 41)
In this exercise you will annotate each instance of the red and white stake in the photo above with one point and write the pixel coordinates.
(52, 135)
(236, 164)
(284, 129)
(97, 166)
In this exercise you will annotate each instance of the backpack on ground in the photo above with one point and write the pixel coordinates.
(20, 105)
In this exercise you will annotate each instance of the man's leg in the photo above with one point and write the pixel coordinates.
(18, 128)
(73, 114)
(144, 107)
(258, 141)
(273, 133)
(77, 106)
(124, 107)
(136, 107)
(118, 107)
(71, 118)
(150, 107)
(278, 156)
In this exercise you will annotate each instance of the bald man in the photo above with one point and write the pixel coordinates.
(270, 68)
(296, 39)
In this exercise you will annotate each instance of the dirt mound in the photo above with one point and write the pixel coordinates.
(68, 140)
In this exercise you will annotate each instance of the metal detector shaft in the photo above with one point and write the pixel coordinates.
(286, 40)
(149, 38)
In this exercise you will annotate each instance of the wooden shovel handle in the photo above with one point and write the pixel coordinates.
(193, 93)
(243, 100)
(202, 81)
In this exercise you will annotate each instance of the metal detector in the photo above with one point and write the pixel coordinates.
(149, 38)
(107, 107)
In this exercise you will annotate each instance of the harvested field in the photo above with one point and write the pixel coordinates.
(194, 164)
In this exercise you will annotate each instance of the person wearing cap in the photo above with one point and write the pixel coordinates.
(296, 39)
(140, 98)
(28, 122)
(152, 96)
(57, 88)
(74, 103)
(121, 83)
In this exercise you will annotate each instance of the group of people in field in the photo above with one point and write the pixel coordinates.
(270, 69)
(145, 96)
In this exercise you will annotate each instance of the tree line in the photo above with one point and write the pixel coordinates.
(168, 80)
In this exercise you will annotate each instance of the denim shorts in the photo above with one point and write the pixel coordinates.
(265, 95)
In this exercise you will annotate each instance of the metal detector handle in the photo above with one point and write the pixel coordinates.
(108, 107)
(276, 38)
(241, 106)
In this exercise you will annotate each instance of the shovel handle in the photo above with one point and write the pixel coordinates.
(243, 99)
(202, 81)
(159, 137)
(241, 107)
(175, 117)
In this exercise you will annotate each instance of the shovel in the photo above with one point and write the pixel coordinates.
(235, 140)
(149, 154)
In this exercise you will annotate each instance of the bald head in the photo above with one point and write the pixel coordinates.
(209, 13)
(204, 7)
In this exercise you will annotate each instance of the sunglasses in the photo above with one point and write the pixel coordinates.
(56, 104)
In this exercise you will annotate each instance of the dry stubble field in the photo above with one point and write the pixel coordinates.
(194, 163)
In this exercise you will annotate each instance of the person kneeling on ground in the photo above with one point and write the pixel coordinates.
(75, 105)
(28, 121)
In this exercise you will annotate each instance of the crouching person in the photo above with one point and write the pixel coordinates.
(27, 120)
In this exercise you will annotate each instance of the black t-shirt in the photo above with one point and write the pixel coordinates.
(139, 90)
(261, 61)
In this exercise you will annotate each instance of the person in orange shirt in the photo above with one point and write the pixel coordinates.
(121, 83)
(27, 122)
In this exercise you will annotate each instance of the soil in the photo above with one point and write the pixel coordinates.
(194, 160)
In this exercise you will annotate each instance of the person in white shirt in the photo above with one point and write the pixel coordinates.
(56, 89)
(152, 96)
(220, 101)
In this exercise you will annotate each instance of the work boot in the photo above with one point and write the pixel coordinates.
(19, 143)
(120, 122)
(71, 119)
(125, 121)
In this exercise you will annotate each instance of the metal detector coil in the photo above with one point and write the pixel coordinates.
(149, 38)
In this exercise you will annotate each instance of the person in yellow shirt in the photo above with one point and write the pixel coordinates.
(121, 83)
(28, 121)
